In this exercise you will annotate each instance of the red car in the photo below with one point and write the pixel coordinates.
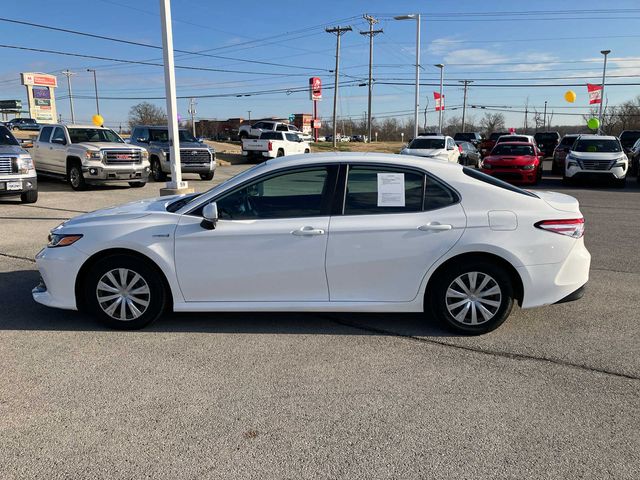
(514, 162)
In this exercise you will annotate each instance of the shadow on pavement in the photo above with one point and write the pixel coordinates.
(21, 312)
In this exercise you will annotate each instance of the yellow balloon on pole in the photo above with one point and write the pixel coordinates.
(97, 120)
(570, 96)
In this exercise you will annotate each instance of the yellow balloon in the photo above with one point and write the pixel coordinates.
(570, 96)
(97, 120)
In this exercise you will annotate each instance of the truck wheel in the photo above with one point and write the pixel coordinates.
(156, 171)
(137, 184)
(306, 150)
(75, 176)
(30, 196)
(206, 176)
(280, 153)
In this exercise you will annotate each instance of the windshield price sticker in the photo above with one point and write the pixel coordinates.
(391, 190)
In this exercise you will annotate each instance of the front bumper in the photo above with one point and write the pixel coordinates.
(17, 186)
(116, 173)
(550, 283)
(614, 173)
(59, 269)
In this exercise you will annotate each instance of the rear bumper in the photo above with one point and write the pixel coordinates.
(572, 297)
(553, 283)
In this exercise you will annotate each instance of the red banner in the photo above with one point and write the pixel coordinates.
(595, 93)
(315, 88)
(439, 101)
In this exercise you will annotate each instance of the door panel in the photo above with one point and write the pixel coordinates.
(252, 260)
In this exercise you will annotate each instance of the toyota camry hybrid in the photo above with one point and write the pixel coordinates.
(325, 232)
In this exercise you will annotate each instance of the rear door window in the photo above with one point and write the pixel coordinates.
(58, 134)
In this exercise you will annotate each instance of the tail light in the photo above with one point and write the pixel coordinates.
(270, 146)
(573, 227)
(460, 148)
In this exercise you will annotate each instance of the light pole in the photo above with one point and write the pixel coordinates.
(95, 85)
(604, 73)
(176, 185)
(441, 67)
(416, 17)
(544, 117)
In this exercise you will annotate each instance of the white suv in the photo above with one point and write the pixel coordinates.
(441, 147)
(596, 157)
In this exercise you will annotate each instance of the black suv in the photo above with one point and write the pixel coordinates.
(471, 137)
(628, 139)
(22, 124)
(547, 142)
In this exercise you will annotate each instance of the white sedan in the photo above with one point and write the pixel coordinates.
(325, 232)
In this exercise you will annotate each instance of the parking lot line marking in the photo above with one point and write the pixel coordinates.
(58, 209)
(18, 257)
(515, 356)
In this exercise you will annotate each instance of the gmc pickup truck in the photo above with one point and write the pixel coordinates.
(85, 154)
(195, 157)
(274, 144)
(17, 174)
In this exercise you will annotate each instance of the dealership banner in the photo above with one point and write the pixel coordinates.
(315, 88)
(595, 93)
(41, 96)
(439, 101)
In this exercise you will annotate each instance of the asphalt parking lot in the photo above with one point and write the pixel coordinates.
(553, 393)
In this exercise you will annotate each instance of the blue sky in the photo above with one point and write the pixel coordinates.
(503, 42)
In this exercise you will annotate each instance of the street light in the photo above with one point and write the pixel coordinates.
(604, 72)
(95, 84)
(441, 67)
(416, 17)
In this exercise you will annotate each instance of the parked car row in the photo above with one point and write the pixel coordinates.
(273, 144)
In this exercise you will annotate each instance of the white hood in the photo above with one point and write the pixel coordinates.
(426, 152)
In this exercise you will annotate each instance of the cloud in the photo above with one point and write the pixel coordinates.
(443, 45)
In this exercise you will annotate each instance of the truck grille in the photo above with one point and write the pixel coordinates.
(191, 156)
(597, 164)
(7, 165)
(119, 157)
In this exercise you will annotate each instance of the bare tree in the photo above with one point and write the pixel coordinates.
(492, 122)
(146, 113)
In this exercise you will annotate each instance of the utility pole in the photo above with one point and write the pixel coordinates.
(249, 112)
(544, 118)
(338, 31)
(464, 101)
(95, 85)
(192, 112)
(67, 73)
(372, 33)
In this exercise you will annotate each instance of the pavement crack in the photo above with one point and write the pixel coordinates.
(614, 271)
(55, 208)
(18, 257)
(495, 353)
(34, 218)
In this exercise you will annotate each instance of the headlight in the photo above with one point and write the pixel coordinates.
(145, 155)
(24, 165)
(93, 155)
(60, 240)
(529, 167)
(621, 162)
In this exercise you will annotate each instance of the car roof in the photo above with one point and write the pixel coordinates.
(430, 136)
(590, 136)
(74, 125)
(516, 143)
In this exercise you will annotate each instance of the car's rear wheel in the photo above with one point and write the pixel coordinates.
(156, 171)
(206, 176)
(472, 297)
(280, 153)
(124, 292)
(137, 184)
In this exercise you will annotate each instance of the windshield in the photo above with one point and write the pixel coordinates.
(95, 135)
(542, 137)
(597, 146)
(162, 135)
(6, 138)
(427, 143)
(629, 138)
(464, 136)
(506, 149)
(513, 139)
(568, 141)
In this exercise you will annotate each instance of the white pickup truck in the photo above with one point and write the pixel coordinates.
(274, 144)
(256, 129)
(88, 154)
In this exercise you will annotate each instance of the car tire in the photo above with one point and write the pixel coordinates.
(156, 171)
(280, 153)
(306, 150)
(137, 184)
(620, 182)
(206, 176)
(633, 168)
(76, 177)
(566, 180)
(30, 196)
(555, 169)
(477, 291)
(145, 297)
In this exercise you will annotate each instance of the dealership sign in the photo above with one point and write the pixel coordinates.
(41, 97)
(315, 88)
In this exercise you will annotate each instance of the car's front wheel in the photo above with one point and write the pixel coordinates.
(124, 292)
(472, 297)
(206, 176)
(156, 171)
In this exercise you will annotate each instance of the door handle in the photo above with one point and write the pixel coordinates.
(304, 231)
(435, 227)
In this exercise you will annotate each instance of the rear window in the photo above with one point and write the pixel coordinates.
(568, 141)
(512, 138)
(494, 136)
(464, 136)
(597, 146)
(506, 149)
(427, 143)
(549, 136)
(271, 136)
(477, 175)
(6, 138)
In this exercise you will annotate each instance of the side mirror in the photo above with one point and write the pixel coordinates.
(142, 140)
(200, 139)
(209, 216)
(59, 141)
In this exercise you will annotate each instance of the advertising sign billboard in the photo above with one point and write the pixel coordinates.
(40, 95)
(315, 88)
